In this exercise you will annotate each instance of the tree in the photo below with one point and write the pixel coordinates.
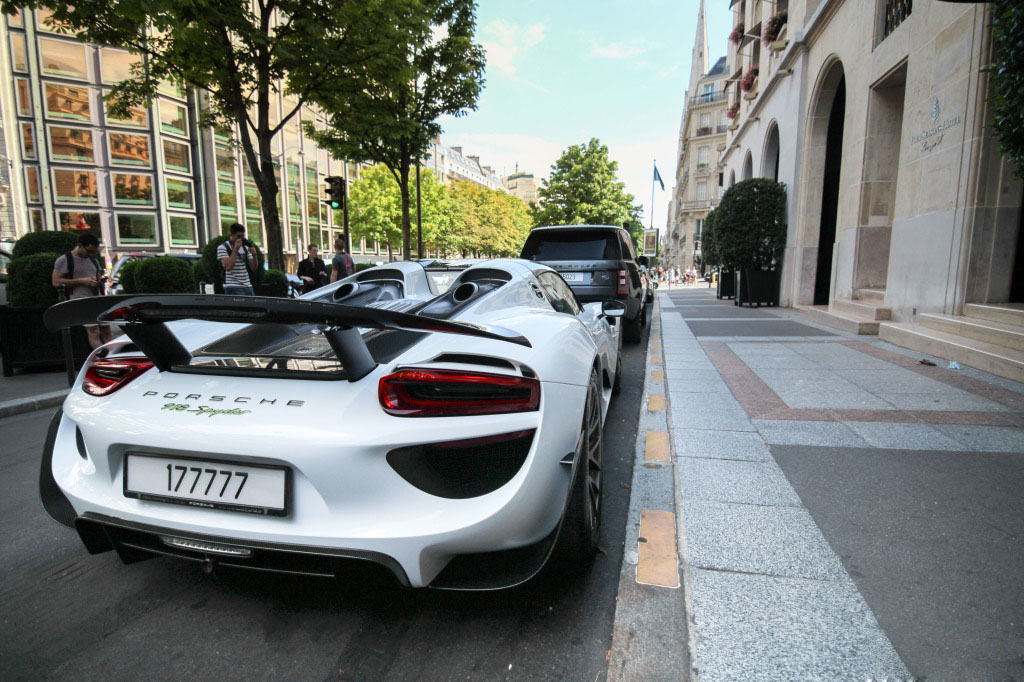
(749, 228)
(1007, 74)
(387, 112)
(583, 190)
(488, 221)
(375, 212)
(238, 53)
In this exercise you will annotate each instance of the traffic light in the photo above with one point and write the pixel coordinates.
(336, 191)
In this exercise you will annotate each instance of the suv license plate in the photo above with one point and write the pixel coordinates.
(576, 277)
(210, 484)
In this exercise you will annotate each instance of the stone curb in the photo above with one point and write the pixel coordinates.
(9, 408)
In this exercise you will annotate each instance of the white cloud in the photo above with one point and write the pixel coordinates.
(617, 50)
(506, 43)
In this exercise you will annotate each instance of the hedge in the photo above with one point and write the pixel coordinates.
(164, 275)
(47, 241)
(29, 280)
(273, 283)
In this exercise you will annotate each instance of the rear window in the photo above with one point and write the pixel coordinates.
(572, 245)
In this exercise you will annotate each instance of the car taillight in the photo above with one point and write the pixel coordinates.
(622, 282)
(451, 393)
(106, 375)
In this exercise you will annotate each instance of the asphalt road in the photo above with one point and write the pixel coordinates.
(67, 615)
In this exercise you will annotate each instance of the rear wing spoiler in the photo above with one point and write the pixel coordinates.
(144, 320)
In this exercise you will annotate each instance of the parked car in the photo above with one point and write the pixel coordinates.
(598, 262)
(5, 262)
(113, 285)
(444, 423)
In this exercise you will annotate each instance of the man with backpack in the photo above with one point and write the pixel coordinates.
(237, 258)
(80, 271)
(341, 265)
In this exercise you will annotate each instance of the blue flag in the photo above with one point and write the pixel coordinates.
(657, 177)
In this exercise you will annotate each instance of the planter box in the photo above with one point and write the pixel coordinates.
(726, 284)
(757, 287)
(750, 95)
(779, 45)
(26, 344)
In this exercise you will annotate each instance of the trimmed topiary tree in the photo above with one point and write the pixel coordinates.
(165, 275)
(1007, 80)
(47, 241)
(708, 245)
(273, 283)
(126, 276)
(29, 280)
(750, 227)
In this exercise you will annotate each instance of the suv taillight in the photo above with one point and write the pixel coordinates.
(623, 289)
(106, 375)
(450, 393)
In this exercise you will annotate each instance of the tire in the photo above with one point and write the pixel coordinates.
(617, 384)
(581, 526)
(632, 329)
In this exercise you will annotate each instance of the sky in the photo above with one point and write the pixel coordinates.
(560, 73)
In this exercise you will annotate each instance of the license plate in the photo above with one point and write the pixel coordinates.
(576, 277)
(210, 484)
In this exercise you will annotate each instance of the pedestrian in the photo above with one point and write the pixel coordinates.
(238, 258)
(312, 270)
(80, 271)
(341, 265)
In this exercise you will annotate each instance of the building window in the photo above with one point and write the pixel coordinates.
(32, 184)
(226, 195)
(16, 20)
(895, 12)
(226, 220)
(116, 65)
(71, 144)
(177, 157)
(702, 191)
(19, 62)
(179, 193)
(28, 141)
(224, 156)
(133, 190)
(69, 220)
(700, 228)
(67, 101)
(24, 101)
(705, 120)
(138, 117)
(253, 206)
(173, 118)
(36, 218)
(171, 89)
(45, 22)
(75, 186)
(183, 230)
(127, 149)
(63, 58)
(702, 157)
(136, 228)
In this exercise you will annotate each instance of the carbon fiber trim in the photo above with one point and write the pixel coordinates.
(54, 502)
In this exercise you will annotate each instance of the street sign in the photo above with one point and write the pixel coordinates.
(651, 242)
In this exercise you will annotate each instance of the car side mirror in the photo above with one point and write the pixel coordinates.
(613, 309)
(642, 260)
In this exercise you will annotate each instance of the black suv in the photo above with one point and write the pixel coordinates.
(598, 262)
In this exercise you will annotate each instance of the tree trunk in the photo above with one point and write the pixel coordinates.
(406, 221)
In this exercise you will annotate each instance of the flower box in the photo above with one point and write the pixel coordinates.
(772, 28)
(736, 37)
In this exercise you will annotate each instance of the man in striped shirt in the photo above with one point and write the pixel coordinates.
(238, 256)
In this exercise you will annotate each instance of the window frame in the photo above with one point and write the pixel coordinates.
(49, 138)
(120, 163)
(110, 121)
(27, 111)
(76, 202)
(160, 104)
(35, 141)
(163, 156)
(57, 117)
(552, 294)
(191, 193)
(112, 50)
(113, 190)
(134, 243)
(195, 230)
(61, 74)
(28, 184)
(24, 51)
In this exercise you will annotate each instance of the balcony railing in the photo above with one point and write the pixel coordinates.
(702, 166)
(895, 12)
(706, 98)
(704, 131)
(722, 128)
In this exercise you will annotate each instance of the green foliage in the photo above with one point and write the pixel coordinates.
(209, 258)
(200, 272)
(273, 283)
(364, 266)
(709, 243)
(488, 221)
(749, 224)
(430, 67)
(374, 208)
(47, 241)
(126, 276)
(29, 279)
(1007, 79)
(583, 189)
(164, 275)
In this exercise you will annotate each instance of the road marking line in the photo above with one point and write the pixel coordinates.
(656, 449)
(657, 375)
(658, 561)
(656, 402)
(655, 345)
(655, 358)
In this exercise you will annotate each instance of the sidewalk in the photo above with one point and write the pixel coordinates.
(26, 392)
(842, 512)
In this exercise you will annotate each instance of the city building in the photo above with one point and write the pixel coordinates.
(524, 187)
(903, 218)
(449, 163)
(702, 135)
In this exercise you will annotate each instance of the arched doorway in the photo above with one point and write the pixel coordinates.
(770, 158)
(823, 165)
(748, 166)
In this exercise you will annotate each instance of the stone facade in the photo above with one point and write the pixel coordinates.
(876, 122)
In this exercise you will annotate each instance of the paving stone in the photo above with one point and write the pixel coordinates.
(961, 402)
(676, 362)
(839, 400)
(730, 419)
(734, 481)
(737, 445)
(760, 628)
(903, 436)
(786, 432)
(781, 541)
(694, 403)
(984, 438)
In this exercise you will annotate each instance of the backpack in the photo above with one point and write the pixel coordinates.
(222, 274)
(70, 260)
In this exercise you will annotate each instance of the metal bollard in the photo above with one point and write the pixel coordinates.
(65, 337)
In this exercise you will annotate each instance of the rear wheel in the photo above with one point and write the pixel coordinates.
(581, 527)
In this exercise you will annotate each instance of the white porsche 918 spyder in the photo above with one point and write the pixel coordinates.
(442, 419)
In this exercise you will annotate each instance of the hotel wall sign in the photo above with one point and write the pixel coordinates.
(926, 138)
